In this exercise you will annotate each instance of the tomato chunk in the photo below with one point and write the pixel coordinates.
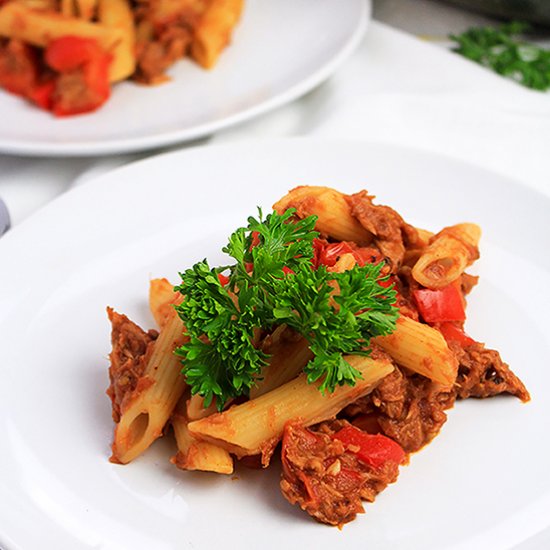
(224, 279)
(374, 450)
(83, 81)
(333, 251)
(439, 306)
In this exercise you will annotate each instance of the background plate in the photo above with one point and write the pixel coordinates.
(483, 483)
(280, 50)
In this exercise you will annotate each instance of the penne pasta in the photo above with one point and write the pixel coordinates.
(39, 28)
(213, 31)
(284, 365)
(161, 11)
(447, 256)
(46, 5)
(421, 349)
(68, 8)
(86, 9)
(117, 14)
(149, 408)
(255, 427)
(424, 237)
(162, 299)
(334, 217)
(196, 409)
(193, 454)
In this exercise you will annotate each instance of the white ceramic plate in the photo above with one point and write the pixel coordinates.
(483, 483)
(280, 50)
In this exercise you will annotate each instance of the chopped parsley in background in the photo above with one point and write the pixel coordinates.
(501, 50)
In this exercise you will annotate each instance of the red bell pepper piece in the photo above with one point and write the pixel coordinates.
(224, 279)
(255, 239)
(85, 58)
(439, 306)
(42, 94)
(452, 333)
(318, 248)
(374, 450)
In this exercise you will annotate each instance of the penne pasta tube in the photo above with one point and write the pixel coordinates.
(195, 408)
(86, 9)
(193, 454)
(162, 299)
(449, 253)
(67, 8)
(255, 426)
(285, 364)
(47, 5)
(332, 210)
(421, 349)
(161, 11)
(117, 14)
(213, 31)
(424, 237)
(161, 386)
(39, 28)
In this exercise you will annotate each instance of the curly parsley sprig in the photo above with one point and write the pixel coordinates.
(273, 283)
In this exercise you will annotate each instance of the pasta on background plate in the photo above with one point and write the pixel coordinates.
(64, 55)
(334, 338)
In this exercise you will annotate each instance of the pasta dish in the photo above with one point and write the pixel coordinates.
(334, 338)
(64, 55)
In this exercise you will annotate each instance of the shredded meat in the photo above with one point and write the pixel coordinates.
(408, 409)
(163, 38)
(324, 479)
(155, 57)
(391, 233)
(72, 93)
(130, 345)
(482, 373)
(18, 67)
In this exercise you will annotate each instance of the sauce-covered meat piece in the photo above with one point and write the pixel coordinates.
(391, 233)
(407, 408)
(130, 344)
(482, 373)
(328, 472)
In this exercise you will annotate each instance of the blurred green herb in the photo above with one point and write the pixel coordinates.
(501, 50)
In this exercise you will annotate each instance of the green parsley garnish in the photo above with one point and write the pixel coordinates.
(221, 360)
(500, 50)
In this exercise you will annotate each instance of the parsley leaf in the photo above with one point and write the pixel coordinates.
(500, 50)
(273, 283)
